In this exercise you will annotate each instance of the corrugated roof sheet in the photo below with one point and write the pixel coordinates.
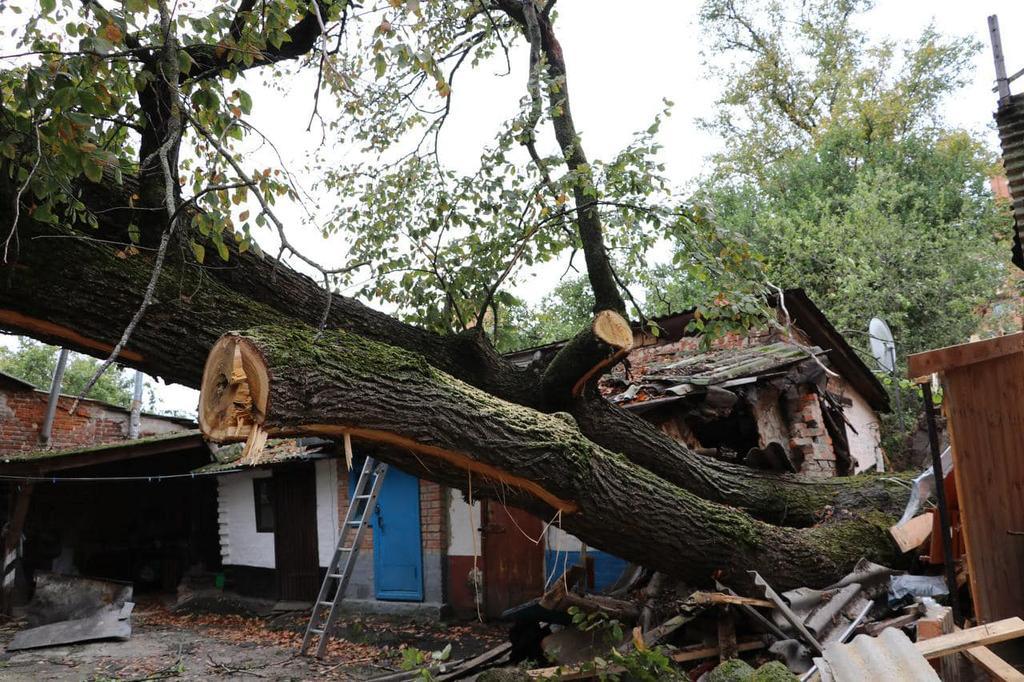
(681, 372)
(277, 451)
(891, 656)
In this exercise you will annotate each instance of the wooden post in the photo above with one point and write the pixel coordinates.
(727, 647)
(1002, 83)
(940, 498)
(938, 620)
(21, 494)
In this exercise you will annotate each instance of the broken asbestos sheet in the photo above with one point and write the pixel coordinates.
(110, 622)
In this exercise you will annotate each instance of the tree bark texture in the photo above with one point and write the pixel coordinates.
(65, 287)
(341, 383)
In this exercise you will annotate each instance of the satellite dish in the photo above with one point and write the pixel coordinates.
(883, 347)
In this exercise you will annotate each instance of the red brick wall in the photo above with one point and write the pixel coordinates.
(22, 414)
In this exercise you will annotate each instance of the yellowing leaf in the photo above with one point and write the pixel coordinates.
(112, 33)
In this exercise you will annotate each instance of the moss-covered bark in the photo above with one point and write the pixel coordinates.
(341, 381)
(64, 287)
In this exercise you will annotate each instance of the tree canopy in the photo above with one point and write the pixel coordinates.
(35, 363)
(842, 173)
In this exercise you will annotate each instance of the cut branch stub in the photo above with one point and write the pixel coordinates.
(586, 356)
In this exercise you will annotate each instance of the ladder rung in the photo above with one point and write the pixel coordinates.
(334, 575)
(363, 497)
(354, 524)
(324, 603)
(317, 631)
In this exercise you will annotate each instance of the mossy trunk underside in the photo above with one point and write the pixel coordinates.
(341, 382)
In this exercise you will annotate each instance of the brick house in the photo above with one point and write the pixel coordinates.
(799, 400)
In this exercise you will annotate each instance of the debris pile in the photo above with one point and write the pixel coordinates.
(875, 623)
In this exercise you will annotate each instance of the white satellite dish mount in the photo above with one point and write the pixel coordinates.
(883, 347)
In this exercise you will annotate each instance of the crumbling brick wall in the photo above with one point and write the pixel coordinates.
(809, 439)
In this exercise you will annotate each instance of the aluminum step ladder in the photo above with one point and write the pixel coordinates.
(332, 591)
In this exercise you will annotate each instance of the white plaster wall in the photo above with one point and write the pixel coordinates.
(327, 521)
(560, 541)
(464, 533)
(866, 443)
(240, 544)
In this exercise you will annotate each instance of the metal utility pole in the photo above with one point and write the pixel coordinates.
(51, 405)
(136, 413)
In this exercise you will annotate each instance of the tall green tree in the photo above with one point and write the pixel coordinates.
(841, 172)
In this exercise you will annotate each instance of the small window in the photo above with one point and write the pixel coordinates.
(263, 491)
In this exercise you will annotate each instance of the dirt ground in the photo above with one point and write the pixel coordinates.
(206, 646)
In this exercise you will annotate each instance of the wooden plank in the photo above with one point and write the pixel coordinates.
(996, 667)
(982, 635)
(723, 598)
(913, 533)
(951, 357)
(985, 419)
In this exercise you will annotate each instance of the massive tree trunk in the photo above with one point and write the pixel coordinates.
(66, 287)
(279, 381)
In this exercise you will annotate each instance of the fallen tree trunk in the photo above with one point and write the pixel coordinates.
(278, 381)
(65, 287)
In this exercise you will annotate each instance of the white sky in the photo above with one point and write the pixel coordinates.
(621, 65)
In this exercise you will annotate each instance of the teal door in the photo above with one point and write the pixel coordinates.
(397, 546)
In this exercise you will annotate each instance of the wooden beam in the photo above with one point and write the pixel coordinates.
(723, 598)
(22, 494)
(942, 359)
(996, 667)
(982, 635)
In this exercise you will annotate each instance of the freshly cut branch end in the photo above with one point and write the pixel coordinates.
(587, 355)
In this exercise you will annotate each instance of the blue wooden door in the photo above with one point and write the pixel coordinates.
(397, 547)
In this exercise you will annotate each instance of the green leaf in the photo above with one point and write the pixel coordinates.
(222, 249)
(184, 61)
(244, 102)
(92, 168)
(380, 65)
(199, 251)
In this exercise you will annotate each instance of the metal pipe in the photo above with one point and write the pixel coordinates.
(135, 417)
(940, 496)
(1002, 82)
(51, 404)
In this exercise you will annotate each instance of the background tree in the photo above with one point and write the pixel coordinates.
(839, 169)
(35, 362)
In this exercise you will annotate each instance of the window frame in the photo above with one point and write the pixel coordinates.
(263, 484)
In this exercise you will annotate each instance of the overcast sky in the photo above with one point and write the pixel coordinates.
(621, 65)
